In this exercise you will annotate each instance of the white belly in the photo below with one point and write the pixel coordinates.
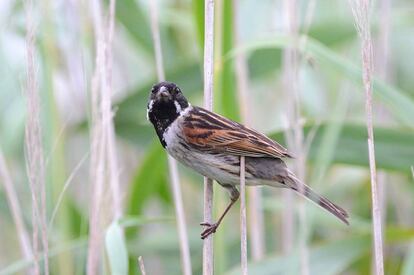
(211, 167)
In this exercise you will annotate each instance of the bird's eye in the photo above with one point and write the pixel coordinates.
(177, 90)
(174, 91)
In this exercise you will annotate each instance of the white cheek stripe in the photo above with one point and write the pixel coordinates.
(177, 107)
(170, 133)
(186, 110)
(151, 103)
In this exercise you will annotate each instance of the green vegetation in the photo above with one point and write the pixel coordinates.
(332, 112)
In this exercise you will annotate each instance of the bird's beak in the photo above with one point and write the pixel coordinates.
(163, 94)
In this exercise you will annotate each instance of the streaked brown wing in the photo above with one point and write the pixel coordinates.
(208, 131)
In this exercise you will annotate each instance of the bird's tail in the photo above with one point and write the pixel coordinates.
(294, 183)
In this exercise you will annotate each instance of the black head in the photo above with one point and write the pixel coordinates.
(165, 104)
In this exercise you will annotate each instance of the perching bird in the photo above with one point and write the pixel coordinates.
(212, 145)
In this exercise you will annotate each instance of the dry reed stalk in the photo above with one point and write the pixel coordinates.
(243, 230)
(290, 65)
(382, 69)
(23, 236)
(360, 10)
(141, 265)
(256, 224)
(112, 156)
(35, 164)
(208, 256)
(172, 164)
(256, 219)
(97, 172)
(155, 29)
(288, 224)
(104, 162)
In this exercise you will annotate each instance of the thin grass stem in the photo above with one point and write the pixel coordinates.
(256, 219)
(208, 256)
(382, 68)
(35, 164)
(104, 163)
(16, 211)
(141, 265)
(361, 10)
(243, 226)
(172, 164)
(291, 69)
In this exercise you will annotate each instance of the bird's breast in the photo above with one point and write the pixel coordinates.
(223, 168)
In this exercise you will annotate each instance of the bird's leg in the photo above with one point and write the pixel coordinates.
(211, 228)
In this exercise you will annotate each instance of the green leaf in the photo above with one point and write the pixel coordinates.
(333, 31)
(151, 174)
(225, 98)
(408, 265)
(399, 103)
(330, 258)
(198, 13)
(397, 234)
(133, 18)
(116, 249)
(259, 65)
(329, 138)
(394, 148)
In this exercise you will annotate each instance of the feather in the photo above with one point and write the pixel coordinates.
(207, 131)
(294, 183)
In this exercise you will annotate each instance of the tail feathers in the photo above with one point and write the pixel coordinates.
(294, 183)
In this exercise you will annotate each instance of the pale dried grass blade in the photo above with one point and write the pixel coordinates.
(172, 164)
(361, 11)
(208, 255)
(243, 226)
(35, 164)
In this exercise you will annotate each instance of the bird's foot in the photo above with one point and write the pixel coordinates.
(211, 228)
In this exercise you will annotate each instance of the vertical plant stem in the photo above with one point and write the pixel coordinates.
(291, 63)
(222, 42)
(208, 259)
(141, 265)
(172, 164)
(288, 224)
(34, 149)
(159, 63)
(256, 224)
(361, 10)
(54, 129)
(24, 239)
(179, 212)
(382, 68)
(104, 163)
(112, 156)
(243, 226)
(256, 219)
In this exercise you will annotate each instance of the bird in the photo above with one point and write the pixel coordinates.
(212, 145)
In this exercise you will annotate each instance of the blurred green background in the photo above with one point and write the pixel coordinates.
(332, 112)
